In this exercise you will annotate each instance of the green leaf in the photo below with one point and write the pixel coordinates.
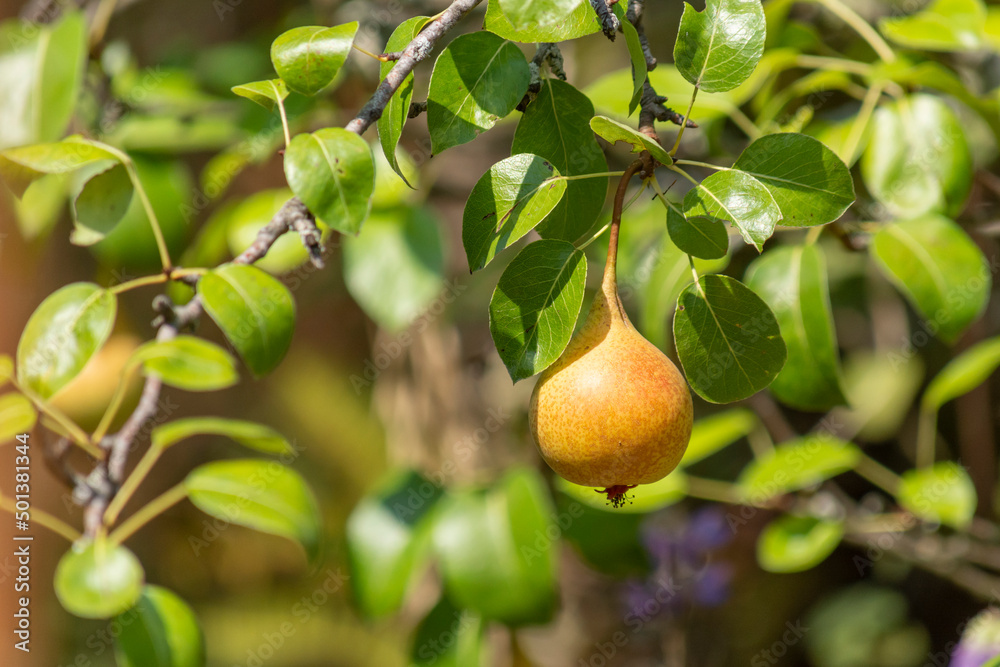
(98, 579)
(20, 167)
(718, 49)
(918, 158)
(61, 336)
(535, 306)
(263, 495)
(254, 310)
(635, 54)
(265, 93)
(17, 416)
(450, 637)
(580, 22)
(797, 464)
(495, 555)
(478, 79)
(62, 58)
(939, 268)
(727, 339)
(944, 492)
(705, 238)
(612, 131)
(390, 123)
(395, 268)
(508, 202)
(332, 172)
(535, 15)
(962, 374)
(556, 126)
(792, 281)
(736, 197)
(388, 540)
(710, 434)
(308, 58)
(100, 201)
(159, 631)
(795, 544)
(641, 500)
(809, 183)
(188, 363)
(944, 25)
(249, 434)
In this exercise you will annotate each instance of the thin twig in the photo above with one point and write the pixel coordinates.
(609, 22)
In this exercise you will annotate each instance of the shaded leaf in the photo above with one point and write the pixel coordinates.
(159, 631)
(635, 54)
(308, 58)
(99, 201)
(254, 310)
(332, 172)
(263, 495)
(249, 434)
(613, 131)
(792, 280)
(20, 167)
(450, 637)
(703, 237)
(719, 48)
(727, 339)
(535, 306)
(98, 579)
(508, 202)
(478, 79)
(390, 123)
(61, 336)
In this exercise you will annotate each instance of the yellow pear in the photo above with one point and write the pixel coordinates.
(613, 411)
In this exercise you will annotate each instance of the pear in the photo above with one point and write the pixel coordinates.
(613, 411)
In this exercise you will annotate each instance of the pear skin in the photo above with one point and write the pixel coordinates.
(613, 411)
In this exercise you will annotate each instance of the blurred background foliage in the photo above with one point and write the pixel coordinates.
(393, 370)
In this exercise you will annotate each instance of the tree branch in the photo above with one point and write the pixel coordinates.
(610, 24)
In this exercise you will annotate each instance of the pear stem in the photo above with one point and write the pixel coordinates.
(616, 220)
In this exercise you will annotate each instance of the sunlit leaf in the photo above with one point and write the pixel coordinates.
(308, 58)
(963, 374)
(794, 544)
(718, 49)
(944, 492)
(797, 464)
(98, 579)
(249, 434)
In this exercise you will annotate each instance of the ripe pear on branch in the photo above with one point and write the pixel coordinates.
(613, 411)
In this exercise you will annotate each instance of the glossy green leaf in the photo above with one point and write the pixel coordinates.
(308, 58)
(20, 167)
(939, 268)
(792, 281)
(578, 23)
(254, 310)
(61, 336)
(390, 123)
(944, 25)
(809, 183)
(944, 492)
(495, 555)
(962, 374)
(536, 304)
(714, 432)
(635, 54)
(612, 131)
(641, 500)
(17, 416)
(98, 579)
(795, 544)
(450, 636)
(159, 631)
(718, 49)
(727, 339)
(188, 363)
(265, 93)
(736, 197)
(508, 202)
(388, 538)
(99, 201)
(701, 237)
(62, 58)
(478, 79)
(263, 495)
(556, 127)
(797, 464)
(332, 172)
(533, 15)
(395, 268)
(249, 434)
(918, 158)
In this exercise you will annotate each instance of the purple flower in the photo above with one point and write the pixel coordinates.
(980, 640)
